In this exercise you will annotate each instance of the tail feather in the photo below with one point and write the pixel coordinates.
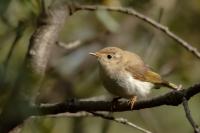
(170, 85)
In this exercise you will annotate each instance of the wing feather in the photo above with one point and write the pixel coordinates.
(148, 75)
(140, 71)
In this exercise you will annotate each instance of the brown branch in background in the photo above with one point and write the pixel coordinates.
(45, 37)
(19, 33)
(70, 46)
(120, 120)
(144, 18)
(36, 62)
(189, 116)
(103, 115)
(173, 98)
(41, 44)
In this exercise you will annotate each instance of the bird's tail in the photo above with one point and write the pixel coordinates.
(171, 85)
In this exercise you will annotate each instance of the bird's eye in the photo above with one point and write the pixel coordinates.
(109, 56)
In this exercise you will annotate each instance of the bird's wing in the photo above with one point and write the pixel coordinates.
(145, 74)
(152, 77)
(134, 64)
(140, 71)
(155, 78)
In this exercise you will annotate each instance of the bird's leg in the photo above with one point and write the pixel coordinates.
(132, 101)
(114, 102)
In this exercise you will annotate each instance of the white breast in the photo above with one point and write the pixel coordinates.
(132, 86)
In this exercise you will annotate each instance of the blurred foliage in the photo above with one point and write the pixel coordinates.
(75, 74)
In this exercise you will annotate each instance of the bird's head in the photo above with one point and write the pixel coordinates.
(109, 57)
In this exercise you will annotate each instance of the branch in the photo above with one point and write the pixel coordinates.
(17, 107)
(189, 116)
(101, 115)
(121, 121)
(20, 31)
(69, 46)
(173, 98)
(144, 18)
(86, 114)
(45, 37)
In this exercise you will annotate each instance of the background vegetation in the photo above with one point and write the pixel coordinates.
(73, 73)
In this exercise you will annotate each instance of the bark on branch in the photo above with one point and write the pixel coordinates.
(173, 98)
(45, 37)
(17, 108)
(189, 116)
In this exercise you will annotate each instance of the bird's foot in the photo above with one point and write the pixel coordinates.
(114, 103)
(132, 101)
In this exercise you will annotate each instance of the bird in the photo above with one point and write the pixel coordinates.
(125, 75)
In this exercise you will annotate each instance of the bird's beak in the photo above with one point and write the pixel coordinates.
(94, 54)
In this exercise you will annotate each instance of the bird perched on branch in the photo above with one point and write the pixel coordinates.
(125, 75)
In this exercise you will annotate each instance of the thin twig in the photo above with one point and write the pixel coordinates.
(121, 121)
(101, 115)
(86, 114)
(19, 33)
(189, 116)
(146, 19)
(69, 46)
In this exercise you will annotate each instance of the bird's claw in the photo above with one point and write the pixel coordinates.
(132, 101)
